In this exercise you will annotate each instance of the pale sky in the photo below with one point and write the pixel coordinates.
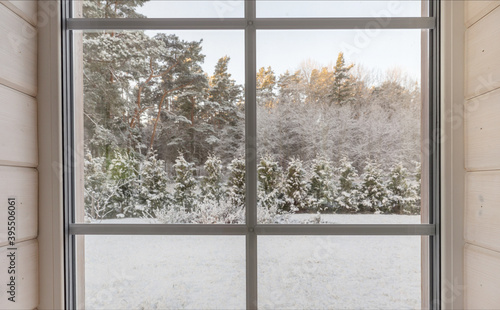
(377, 50)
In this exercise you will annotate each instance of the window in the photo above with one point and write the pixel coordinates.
(251, 154)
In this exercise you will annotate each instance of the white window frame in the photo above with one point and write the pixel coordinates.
(56, 178)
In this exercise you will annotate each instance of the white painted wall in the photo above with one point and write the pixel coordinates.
(19, 150)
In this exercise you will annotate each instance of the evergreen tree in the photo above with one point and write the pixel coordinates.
(348, 188)
(211, 184)
(342, 90)
(266, 82)
(153, 193)
(236, 182)
(99, 188)
(402, 195)
(224, 95)
(112, 8)
(124, 172)
(269, 175)
(296, 187)
(373, 194)
(185, 184)
(321, 186)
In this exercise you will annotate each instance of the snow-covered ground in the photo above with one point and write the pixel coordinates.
(295, 272)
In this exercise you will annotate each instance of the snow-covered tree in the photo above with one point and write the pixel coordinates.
(266, 82)
(321, 187)
(185, 185)
(211, 183)
(342, 90)
(295, 187)
(348, 187)
(154, 180)
(270, 176)
(236, 182)
(373, 194)
(99, 188)
(123, 170)
(402, 195)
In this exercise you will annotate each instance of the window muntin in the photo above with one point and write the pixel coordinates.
(251, 231)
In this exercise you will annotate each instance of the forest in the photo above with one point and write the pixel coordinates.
(164, 139)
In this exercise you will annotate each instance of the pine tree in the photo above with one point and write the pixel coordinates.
(266, 82)
(321, 186)
(348, 187)
(342, 90)
(185, 184)
(402, 195)
(211, 184)
(236, 182)
(153, 193)
(295, 187)
(373, 194)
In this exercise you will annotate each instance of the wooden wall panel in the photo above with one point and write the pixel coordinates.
(482, 132)
(26, 9)
(482, 211)
(482, 47)
(18, 57)
(21, 183)
(482, 283)
(26, 276)
(476, 9)
(18, 128)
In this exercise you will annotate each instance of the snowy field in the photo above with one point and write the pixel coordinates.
(295, 272)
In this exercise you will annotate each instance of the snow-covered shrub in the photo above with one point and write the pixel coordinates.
(153, 193)
(185, 184)
(211, 184)
(270, 210)
(222, 211)
(236, 182)
(174, 214)
(373, 194)
(321, 186)
(402, 195)
(348, 188)
(295, 187)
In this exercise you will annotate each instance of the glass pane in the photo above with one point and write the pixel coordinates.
(162, 272)
(340, 272)
(339, 126)
(336, 8)
(160, 133)
(159, 9)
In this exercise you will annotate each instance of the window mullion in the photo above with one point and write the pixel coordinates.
(251, 153)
